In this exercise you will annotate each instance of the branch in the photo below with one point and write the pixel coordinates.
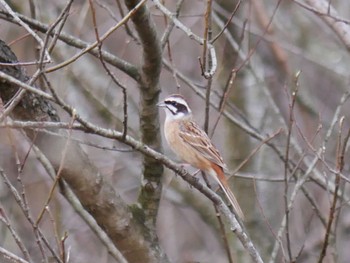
(96, 43)
(191, 35)
(27, 28)
(123, 65)
(11, 257)
(329, 15)
(149, 116)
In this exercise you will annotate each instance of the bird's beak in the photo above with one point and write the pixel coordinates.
(161, 104)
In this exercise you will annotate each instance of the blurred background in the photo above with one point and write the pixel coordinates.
(282, 71)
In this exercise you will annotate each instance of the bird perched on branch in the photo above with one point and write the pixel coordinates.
(193, 145)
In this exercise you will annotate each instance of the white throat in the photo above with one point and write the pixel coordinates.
(179, 115)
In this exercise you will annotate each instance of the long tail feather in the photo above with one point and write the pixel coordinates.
(219, 176)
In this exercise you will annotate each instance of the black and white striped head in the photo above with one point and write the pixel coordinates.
(175, 107)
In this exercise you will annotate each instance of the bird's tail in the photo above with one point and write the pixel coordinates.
(220, 177)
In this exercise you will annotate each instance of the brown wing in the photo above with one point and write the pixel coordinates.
(194, 136)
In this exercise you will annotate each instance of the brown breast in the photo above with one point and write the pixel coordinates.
(183, 150)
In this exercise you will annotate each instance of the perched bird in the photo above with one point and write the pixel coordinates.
(193, 145)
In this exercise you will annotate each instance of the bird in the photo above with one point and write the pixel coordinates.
(193, 146)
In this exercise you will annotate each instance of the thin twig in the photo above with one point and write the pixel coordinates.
(27, 28)
(96, 43)
(223, 100)
(165, 37)
(25, 86)
(266, 29)
(166, 42)
(37, 231)
(58, 176)
(286, 165)
(61, 18)
(314, 206)
(127, 28)
(16, 237)
(340, 151)
(253, 152)
(12, 257)
(75, 203)
(58, 238)
(121, 64)
(191, 35)
(264, 216)
(329, 14)
(24, 201)
(112, 76)
(227, 22)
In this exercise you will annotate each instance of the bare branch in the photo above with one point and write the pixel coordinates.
(149, 117)
(191, 35)
(329, 14)
(124, 66)
(27, 28)
(19, 242)
(10, 256)
(92, 46)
